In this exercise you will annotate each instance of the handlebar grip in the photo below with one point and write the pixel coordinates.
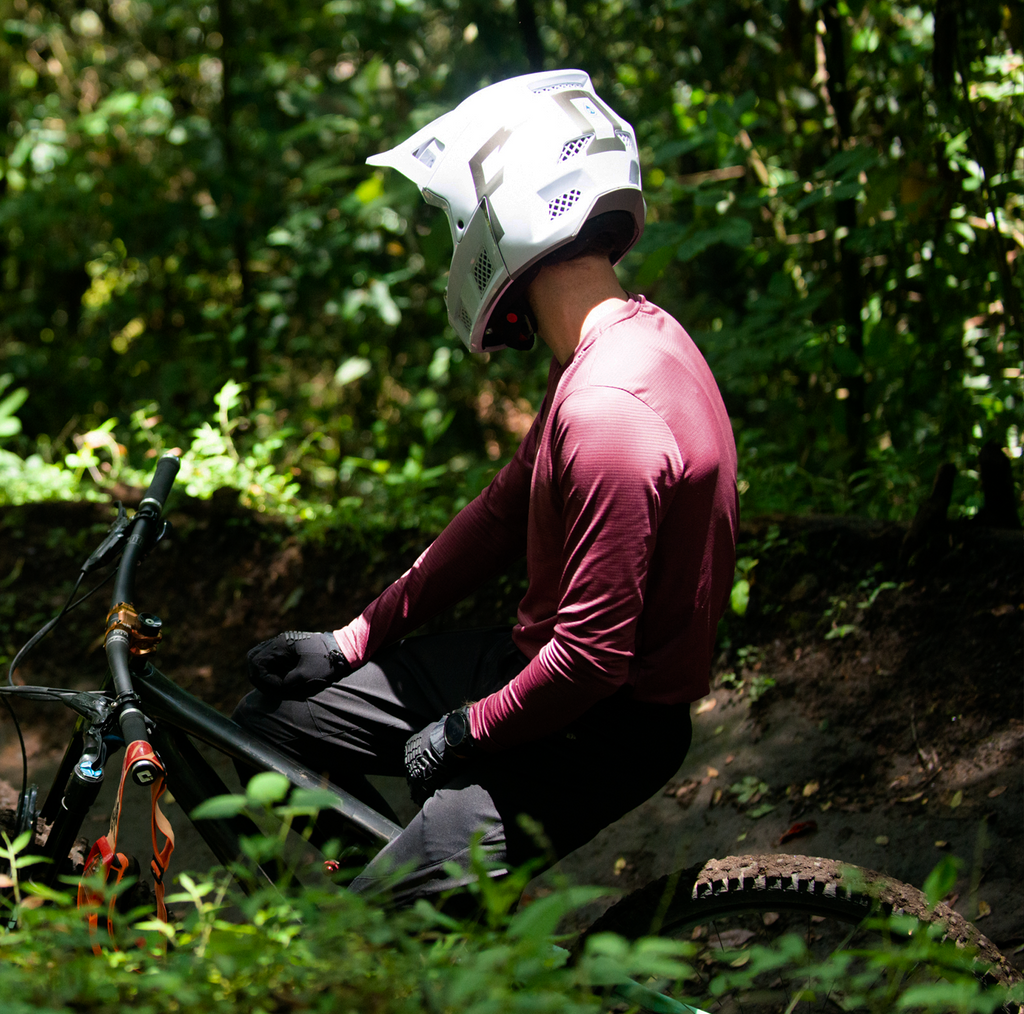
(154, 497)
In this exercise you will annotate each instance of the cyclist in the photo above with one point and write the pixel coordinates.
(622, 497)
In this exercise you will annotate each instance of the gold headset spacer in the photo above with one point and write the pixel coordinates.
(124, 617)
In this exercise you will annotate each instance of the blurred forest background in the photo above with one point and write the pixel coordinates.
(194, 253)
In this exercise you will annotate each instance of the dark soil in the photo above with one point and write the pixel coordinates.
(879, 707)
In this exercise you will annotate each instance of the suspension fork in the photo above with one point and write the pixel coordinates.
(75, 788)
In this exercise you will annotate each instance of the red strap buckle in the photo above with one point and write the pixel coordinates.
(104, 853)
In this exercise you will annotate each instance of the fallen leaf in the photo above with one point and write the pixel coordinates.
(730, 758)
(712, 772)
(882, 839)
(708, 704)
(997, 791)
(797, 831)
(620, 865)
(826, 806)
(1004, 610)
(770, 918)
(740, 961)
(810, 788)
(728, 939)
(717, 797)
(911, 799)
(34, 901)
(742, 837)
(958, 798)
(6, 881)
(699, 932)
(941, 844)
(984, 909)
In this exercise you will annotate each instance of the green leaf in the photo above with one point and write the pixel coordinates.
(654, 266)
(942, 879)
(839, 632)
(740, 597)
(541, 918)
(267, 788)
(732, 231)
(17, 845)
(847, 361)
(47, 893)
(219, 808)
(320, 799)
(370, 189)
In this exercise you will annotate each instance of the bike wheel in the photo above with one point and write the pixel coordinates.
(728, 907)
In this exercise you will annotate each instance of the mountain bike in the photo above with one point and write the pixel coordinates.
(722, 905)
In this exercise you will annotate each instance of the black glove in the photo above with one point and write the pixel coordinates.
(434, 754)
(296, 664)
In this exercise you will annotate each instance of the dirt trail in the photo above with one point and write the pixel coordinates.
(880, 708)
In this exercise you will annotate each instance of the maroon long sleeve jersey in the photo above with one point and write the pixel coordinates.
(623, 498)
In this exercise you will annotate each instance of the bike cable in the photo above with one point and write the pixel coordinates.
(50, 624)
(29, 645)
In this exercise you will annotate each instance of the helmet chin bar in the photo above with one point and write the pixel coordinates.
(511, 326)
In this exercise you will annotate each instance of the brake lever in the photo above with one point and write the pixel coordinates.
(111, 546)
(90, 704)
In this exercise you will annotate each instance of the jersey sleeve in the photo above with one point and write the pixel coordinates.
(615, 464)
(485, 537)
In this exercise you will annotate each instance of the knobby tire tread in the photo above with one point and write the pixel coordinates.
(815, 885)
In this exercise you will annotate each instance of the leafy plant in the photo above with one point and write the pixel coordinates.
(759, 686)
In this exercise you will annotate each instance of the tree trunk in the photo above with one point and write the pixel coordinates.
(846, 219)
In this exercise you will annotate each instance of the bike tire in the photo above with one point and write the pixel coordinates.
(725, 892)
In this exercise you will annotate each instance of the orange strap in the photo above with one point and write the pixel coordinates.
(104, 853)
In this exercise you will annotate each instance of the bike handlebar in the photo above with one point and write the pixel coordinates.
(119, 633)
(154, 497)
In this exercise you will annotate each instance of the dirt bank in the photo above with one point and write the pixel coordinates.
(880, 708)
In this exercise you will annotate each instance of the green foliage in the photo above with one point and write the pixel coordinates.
(216, 458)
(834, 213)
(322, 947)
(911, 969)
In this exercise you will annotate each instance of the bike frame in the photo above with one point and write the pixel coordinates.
(141, 709)
(175, 718)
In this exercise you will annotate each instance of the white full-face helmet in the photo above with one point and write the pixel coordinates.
(522, 168)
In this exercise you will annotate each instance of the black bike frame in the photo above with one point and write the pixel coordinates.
(150, 710)
(176, 716)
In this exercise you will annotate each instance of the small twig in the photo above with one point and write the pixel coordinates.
(930, 763)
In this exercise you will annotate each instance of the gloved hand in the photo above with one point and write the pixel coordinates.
(435, 753)
(297, 664)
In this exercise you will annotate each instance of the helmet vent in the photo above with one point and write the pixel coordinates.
(429, 151)
(465, 320)
(626, 139)
(482, 270)
(560, 205)
(571, 148)
(560, 87)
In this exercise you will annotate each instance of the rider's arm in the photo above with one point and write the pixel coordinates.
(481, 540)
(614, 470)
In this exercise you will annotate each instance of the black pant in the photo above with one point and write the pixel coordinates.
(573, 783)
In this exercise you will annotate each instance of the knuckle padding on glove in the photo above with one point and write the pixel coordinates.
(427, 768)
(296, 664)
